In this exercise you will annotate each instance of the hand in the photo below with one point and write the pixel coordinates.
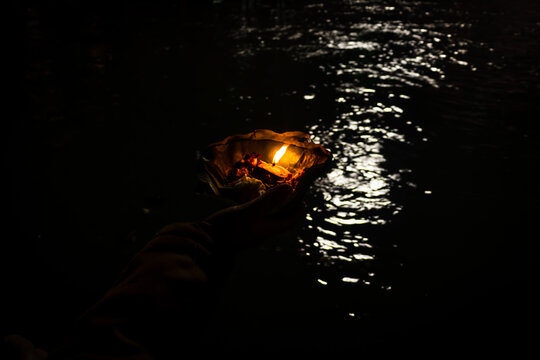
(262, 217)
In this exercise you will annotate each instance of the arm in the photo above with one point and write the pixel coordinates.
(160, 302)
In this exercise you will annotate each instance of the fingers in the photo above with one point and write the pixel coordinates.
(271, 200)
(258, 218)
(264, 204)
(281, 222)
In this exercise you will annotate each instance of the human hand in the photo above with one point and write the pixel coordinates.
(264, 216)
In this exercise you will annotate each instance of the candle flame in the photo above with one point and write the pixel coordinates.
(279, 154)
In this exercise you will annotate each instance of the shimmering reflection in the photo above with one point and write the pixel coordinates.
(372, 58)
(356, 191)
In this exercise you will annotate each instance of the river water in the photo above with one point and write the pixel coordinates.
(426, 109)
(417, 238)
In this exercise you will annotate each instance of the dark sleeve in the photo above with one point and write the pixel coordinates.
(158, 307)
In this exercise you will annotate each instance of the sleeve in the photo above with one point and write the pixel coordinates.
(159, 306)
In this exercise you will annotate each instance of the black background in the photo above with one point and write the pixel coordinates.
(111, 103)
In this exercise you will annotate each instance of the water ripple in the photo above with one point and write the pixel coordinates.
(372, 59)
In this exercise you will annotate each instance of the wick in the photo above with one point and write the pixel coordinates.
(273, 164)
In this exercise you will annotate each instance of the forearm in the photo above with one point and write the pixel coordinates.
(161, 296)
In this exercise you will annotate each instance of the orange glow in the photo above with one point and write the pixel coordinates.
(279, 154)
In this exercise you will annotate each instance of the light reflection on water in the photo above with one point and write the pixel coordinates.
(372, 58)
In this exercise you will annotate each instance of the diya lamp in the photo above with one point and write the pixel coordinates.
(243, 167)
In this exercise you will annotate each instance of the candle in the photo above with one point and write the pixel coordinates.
(274, 169)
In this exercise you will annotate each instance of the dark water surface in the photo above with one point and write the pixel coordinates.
(420, 237)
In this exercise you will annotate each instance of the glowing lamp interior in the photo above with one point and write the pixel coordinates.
(241, 167)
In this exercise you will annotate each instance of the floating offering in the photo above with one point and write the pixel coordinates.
(243, 167)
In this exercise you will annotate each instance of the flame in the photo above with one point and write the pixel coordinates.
(279, 154)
